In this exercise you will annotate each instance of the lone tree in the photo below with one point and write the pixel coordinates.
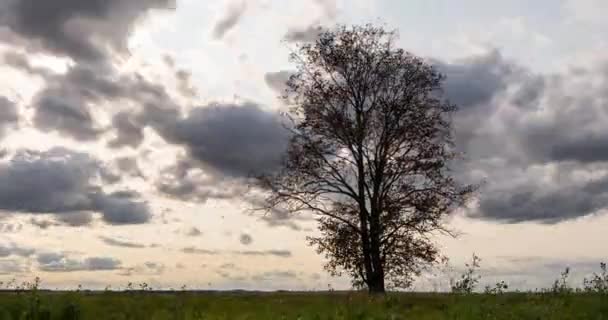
(368, 155)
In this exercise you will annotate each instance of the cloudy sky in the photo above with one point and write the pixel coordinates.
(127, 128)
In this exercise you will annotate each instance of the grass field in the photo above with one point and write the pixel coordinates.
(329, 305)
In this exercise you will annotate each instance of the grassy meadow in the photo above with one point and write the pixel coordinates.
(41, 305)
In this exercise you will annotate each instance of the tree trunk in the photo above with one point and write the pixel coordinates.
(365, 247)
(377, 284)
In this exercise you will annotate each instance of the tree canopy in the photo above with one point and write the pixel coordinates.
(369, 155)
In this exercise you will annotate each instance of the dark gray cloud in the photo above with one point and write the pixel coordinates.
(230, 19)
(589, 147)
(121, 210)
(93, 34)
(547, 204)
(245, 239)
(62, 113)
(158, 111)
(70, 102)
(128, 131)
(67, 104)
(277, 81)
(572, 126)
(83, 30)
(235, 140)
(60, 262)
(75, 219)
(534, 139)
(226, 144)
(476, 80)
(63, 182)
(9, 117)
(186, 182)
(310, 33)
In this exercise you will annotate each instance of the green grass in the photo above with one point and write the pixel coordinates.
(332, 305)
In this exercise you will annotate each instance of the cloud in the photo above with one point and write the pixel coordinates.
(275, 253)
(533, 202)
(43, 223)
(121, 243)
(230, 19)
(129, 166)
(184, 83)
(228, 266)
(226, 144)
(193, 250)
(158, 110)
(12, 267)
(10, 227)
(245, 239)
(59, 262)
(476, 80)
(186, 181)
(75, 219)
(82, 30)
(117, 209)
(536, 140)
(193, 232)
(276, 217)
(274, 275)
(67, 103)
(310, 33)
(15, 250)
(277, 81)
(71, 219)
(128, 131)
(147, 268)
(9, 118)
(18, 60)
(64, 182)
(58, 112)
(234, 140)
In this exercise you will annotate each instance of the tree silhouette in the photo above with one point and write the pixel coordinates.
(368, 155)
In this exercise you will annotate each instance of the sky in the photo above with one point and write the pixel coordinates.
(128, 128)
